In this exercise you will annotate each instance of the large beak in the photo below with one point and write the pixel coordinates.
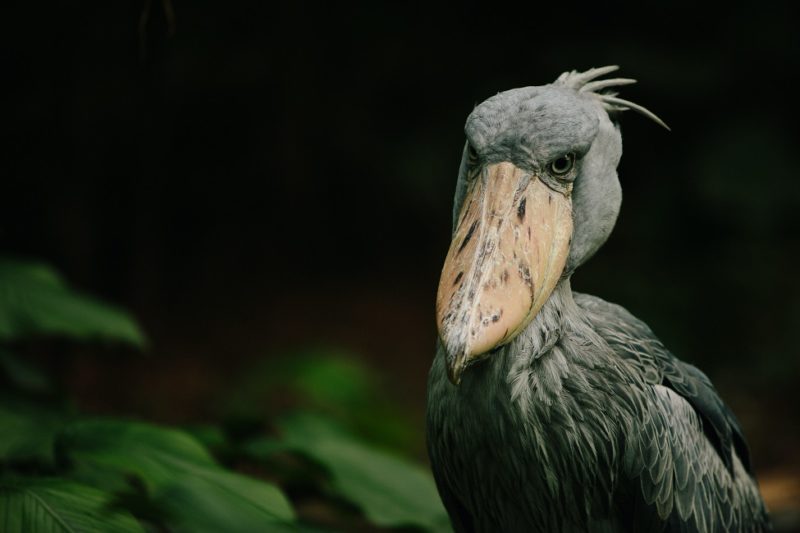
(508, 252)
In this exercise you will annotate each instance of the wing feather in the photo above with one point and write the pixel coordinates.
(687, 454)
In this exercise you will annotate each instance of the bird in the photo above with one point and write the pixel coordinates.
(549, 410)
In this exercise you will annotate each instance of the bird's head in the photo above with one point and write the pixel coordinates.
(537, 195)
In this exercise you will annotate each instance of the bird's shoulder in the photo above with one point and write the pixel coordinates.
(688, 453)
(632, 340)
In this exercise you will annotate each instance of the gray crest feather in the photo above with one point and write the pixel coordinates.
(587, 82)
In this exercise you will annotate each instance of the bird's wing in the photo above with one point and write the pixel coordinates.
(687, 451)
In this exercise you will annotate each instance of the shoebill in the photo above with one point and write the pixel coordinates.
(550, 410)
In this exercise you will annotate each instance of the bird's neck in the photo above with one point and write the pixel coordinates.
(559, 313)
(557, 344)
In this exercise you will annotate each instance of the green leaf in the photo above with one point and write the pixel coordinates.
(391, 491)
(179, 474)
(107, 452)
(28, 431)
(224, 502)
(35, 301)
(47, 505)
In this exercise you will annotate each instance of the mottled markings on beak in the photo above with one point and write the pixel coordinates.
(467, 237)
(525, 274)
(465, 211)
(497, 273)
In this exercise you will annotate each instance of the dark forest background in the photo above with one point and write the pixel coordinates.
(255, 180)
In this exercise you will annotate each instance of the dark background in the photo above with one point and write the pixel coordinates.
(263, 178)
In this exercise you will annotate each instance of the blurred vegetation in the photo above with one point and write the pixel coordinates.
(247, 192)
(306, 443)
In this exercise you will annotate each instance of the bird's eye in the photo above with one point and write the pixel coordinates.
(562, 165)
(472, 156)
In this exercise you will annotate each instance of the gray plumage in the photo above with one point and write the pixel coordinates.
(584, 421)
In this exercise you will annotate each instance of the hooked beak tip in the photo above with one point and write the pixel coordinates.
(455, 367)
(454, 375)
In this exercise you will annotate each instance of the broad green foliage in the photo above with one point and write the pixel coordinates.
(177, 472)
(117, 449)
(61, 471)
(48, 505)
(35, 301)
(226, 502)
(391, 491)
(27, 431)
